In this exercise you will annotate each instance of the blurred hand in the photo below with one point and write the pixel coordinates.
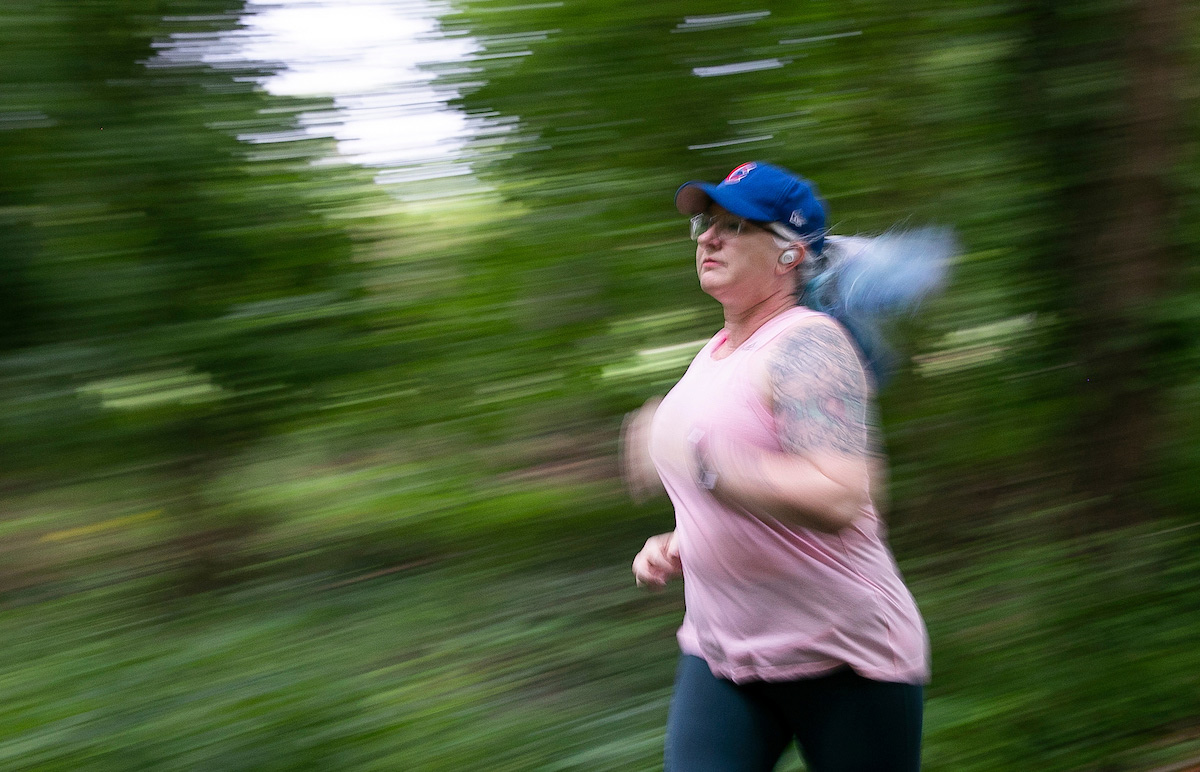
(658, 562)
(641, 478)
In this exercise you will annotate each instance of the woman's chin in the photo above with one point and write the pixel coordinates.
(711, 288)
(711, 281)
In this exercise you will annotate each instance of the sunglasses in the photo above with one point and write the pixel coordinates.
(727, 226)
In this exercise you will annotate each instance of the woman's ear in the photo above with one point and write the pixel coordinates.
(791, 257)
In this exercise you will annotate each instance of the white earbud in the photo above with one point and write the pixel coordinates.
(788, 257)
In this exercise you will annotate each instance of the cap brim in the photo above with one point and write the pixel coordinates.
(695, 197)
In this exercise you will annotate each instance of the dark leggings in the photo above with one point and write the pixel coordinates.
(842, 722)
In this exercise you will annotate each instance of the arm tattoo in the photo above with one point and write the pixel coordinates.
(820, 391)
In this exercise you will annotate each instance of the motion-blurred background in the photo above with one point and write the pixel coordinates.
(318, 320)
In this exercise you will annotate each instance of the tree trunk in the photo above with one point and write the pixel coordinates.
(1109, 81)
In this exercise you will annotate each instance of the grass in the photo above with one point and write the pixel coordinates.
(1047, 656)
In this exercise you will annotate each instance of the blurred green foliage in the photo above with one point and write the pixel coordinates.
(1047, 656)
(301, 471)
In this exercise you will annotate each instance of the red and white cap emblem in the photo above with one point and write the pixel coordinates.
(738, 174)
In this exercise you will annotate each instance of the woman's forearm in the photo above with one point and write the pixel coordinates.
(826, 495)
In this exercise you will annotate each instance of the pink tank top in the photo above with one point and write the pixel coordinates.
(768, 601)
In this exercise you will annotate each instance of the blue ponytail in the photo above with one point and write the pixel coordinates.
(863, 281)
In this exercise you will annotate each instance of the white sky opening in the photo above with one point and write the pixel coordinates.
(370, 59)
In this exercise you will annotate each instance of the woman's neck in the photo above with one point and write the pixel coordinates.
(740, 324)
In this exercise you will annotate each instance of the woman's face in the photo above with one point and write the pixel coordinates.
(738, 268)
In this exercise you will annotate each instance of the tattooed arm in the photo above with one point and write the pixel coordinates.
(821, 400)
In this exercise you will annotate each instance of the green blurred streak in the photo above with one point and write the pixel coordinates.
(302, 472)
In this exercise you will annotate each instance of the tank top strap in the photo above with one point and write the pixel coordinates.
(777, 326)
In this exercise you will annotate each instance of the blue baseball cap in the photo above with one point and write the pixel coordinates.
(764, 193)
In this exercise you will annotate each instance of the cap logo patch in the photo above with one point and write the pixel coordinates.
(738, 174)
(797, 219)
